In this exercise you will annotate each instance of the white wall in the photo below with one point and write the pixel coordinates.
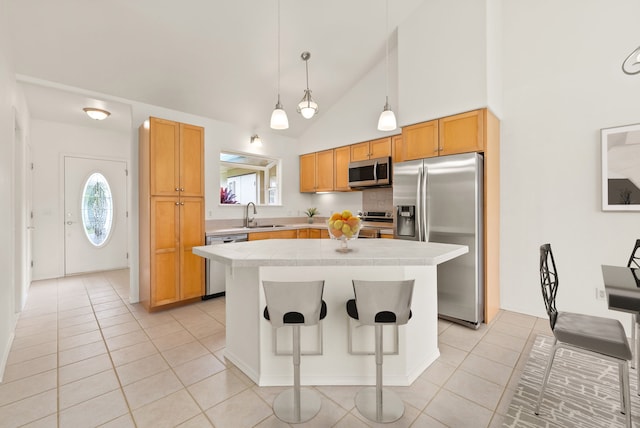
(562, 84)
(12, 111)
(555, 81)
(442, 60)
(51, 141)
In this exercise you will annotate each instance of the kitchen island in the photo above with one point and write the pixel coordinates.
(263, 353)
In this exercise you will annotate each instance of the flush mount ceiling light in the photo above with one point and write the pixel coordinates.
(96, 113)
(279, 119)
(387, 120)
(631, 65)
(307, 108)
(255, 139)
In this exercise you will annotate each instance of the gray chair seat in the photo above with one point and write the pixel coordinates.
(603, 335)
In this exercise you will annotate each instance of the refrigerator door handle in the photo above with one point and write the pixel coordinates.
(425, 205)
(418, 204)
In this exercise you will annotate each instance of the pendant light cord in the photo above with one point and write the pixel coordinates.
(278, 51)
(386, 28)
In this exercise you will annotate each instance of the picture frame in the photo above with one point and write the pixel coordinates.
(621, 168)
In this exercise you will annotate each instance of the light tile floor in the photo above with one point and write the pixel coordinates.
(83, 356)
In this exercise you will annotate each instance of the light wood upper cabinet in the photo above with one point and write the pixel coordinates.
(191, 160)
(420, 140)
(462, 133)
(371, 149)
(341, 159)
(324, 171)
(164, 152)
(316, 172)
(176, 154)
(396, 148)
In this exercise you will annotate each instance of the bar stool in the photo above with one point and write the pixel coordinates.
(294, 304)
(378, 303)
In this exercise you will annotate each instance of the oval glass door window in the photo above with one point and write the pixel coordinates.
(97, 209)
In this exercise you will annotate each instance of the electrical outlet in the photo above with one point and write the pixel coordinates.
(600, 294)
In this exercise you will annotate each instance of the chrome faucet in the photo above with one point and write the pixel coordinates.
(247, 220)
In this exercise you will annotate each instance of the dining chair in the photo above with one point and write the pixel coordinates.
(634, 261)
(604, 338)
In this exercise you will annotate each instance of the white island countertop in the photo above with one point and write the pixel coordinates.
(322, 252)
(259, 350)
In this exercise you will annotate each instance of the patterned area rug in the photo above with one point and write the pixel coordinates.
(583, 391)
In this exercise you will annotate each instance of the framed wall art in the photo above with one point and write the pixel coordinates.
(621, 168)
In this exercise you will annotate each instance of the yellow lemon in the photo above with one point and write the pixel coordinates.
(338, 224)
(346, 214)
(346, 229)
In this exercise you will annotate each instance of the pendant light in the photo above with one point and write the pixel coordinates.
(307, 108)
(279, 119)
(387, 120)
(631, 65)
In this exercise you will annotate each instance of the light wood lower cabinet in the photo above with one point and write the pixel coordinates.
(276, 234)
(177, 225)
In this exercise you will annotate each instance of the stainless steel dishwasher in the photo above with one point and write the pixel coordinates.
(215, 271)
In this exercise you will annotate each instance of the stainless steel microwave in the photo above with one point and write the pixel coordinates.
(370, 173)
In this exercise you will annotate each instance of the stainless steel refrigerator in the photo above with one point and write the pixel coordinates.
(441, 200)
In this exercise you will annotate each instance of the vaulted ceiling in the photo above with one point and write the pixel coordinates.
(212, 58)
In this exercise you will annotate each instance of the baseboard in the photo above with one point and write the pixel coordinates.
(5, 354)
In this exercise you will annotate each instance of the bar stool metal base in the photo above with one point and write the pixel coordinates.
(284, 405)
(392, 407)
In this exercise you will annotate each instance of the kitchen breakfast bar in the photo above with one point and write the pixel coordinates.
(338, 351)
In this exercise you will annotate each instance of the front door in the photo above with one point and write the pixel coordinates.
(95, 216)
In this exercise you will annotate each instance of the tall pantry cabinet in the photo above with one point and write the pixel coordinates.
(171, 212)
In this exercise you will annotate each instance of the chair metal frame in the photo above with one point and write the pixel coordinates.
(382, 302)
(293, 304)
(549, 284)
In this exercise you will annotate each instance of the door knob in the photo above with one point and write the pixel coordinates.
(70, 223)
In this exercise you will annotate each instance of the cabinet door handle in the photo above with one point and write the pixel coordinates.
(182, 189)
(177, 203)
(181, 203)
(177, 189)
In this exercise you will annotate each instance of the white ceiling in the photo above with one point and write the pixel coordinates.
(212, 58)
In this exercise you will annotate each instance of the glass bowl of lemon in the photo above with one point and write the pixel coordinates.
(343, 226)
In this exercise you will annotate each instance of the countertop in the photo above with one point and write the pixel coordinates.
(319, 252)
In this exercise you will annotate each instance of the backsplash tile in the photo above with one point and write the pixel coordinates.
(377, 199)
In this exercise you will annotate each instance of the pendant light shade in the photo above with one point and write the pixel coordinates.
(307, 107)
(387, 120)
(279, 119)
